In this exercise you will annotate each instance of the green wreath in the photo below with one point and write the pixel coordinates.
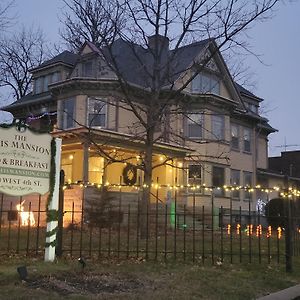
(129, 174)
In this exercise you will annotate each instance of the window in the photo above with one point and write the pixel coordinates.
(68, 111)
(55, 77)
(235, 181)
(247, 139)
(247, 183)
(251, 107)
(87, 69)
(67, 166)
(218, 180)
(195, 125)
(96, 165)
(235, 137)
(218, 124)
(96, 112)
(45, 83)
(38, 85)
(206, 83)
(194, 175)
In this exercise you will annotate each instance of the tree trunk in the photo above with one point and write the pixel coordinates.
(145, 201)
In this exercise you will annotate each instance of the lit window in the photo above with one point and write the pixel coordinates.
(247, 139)
(235, 136)
(218, 127)
(195, 125)
(96, 112)
(96, 166)
(67, 166)
(206, 83)
(194, 175)
(235, 182)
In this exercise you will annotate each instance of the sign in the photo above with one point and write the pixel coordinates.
(25, 159)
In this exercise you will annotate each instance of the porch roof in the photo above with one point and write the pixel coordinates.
(109, 138)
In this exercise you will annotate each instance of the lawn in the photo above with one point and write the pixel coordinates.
(139, 279)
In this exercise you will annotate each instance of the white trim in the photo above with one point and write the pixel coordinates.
(53, 205)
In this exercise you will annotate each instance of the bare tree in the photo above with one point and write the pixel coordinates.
(19, 53)
(6, 18)
(89, 20)
(221, 24)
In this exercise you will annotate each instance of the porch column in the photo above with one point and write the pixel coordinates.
(85, 163)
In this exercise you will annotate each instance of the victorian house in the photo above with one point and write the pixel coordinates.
(221, 139)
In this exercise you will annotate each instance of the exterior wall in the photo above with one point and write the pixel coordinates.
(262, 152)
(80, 107)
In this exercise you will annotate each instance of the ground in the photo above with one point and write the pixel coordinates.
(138, 279)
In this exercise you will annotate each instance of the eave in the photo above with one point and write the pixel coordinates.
(116, 139)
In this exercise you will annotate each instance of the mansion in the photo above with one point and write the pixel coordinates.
(217, 138)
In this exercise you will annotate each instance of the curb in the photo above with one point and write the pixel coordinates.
(291, 293)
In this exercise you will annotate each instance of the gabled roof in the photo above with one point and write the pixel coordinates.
(134, 62)
(66, 57)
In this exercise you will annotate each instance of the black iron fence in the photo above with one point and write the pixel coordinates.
(116, 226)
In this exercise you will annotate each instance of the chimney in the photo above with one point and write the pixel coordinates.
(159, 43)
(162, 41)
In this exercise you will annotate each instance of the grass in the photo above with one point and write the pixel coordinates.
(138, 279)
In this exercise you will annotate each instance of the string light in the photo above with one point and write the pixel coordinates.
(258, 230)
(32, 118)
(238, 228)
(228, 229)
(269, 232)
(282, 192)
(279, 232)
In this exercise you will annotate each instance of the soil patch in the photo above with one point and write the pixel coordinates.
(73, 283)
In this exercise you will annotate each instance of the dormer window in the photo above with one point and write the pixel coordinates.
(87, 69)
(251, 107)
(42, 83)
(206, 83)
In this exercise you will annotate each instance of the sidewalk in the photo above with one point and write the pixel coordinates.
(291, 293)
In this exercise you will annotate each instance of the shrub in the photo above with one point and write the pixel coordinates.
(275, 212)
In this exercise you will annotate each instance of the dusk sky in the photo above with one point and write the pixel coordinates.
(277, 40)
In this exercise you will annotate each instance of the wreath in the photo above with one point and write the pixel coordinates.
(129, 174)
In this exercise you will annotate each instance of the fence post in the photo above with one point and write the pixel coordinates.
(60, 214)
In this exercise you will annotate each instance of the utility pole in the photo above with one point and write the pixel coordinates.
(288, 229)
